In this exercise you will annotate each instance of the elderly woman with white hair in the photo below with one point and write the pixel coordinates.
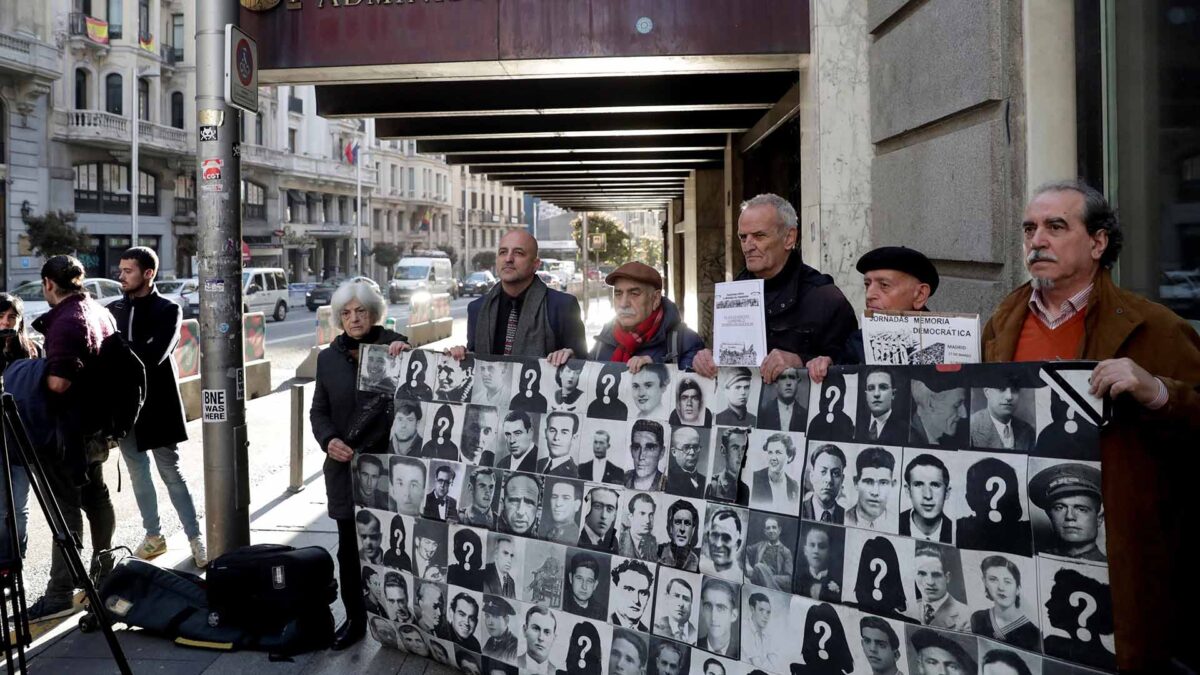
(346, 421)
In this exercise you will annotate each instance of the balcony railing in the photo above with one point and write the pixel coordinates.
(109, 129)
(171, 56)
(185, 206)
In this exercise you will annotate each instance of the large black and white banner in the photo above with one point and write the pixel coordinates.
(585, 520)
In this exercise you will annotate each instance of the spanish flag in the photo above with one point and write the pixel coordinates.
(146, 42)
(426, 220)
(97, 30)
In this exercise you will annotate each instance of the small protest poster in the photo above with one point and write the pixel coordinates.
(739, 323)
(920, 338)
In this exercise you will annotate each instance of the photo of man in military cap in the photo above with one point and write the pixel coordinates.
(1069, 493)
(501, 642)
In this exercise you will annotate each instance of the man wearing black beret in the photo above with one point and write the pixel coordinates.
(897, 279)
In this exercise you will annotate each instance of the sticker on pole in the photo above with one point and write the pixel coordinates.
(210, 169)
(241, 69)
(214, 408)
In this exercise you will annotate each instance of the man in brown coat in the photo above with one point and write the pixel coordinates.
(1150, 367)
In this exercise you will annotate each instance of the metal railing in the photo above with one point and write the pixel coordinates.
(185, 206)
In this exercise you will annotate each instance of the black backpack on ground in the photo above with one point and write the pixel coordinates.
(277, 590)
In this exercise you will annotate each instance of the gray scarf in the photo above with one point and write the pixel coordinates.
(534, 336)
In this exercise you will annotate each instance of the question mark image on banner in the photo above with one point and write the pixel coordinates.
(997, 488)
(585, 645)
(608, 381)
(1088, 603)
(880, 567)
(469, 547)
(825, 631)
(443, 425)
(833, 395)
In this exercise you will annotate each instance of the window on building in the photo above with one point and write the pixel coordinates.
(81, 89)
(412, 181)
(258, 129)
(474, 199)
(185, 195)
(113, 95)
(493, 204)
(177, 40)
(376, 217)
(144, 20)
(144, 99)
(177, 110)
(103, 187)
(254, 201)
(291, 141)
(114, 18)
(395, 176)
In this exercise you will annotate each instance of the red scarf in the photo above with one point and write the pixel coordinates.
(628, 342)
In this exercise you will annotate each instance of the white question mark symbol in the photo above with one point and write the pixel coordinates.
(1071, 426)
(1089, 608)
(997, 484)
(417, 367)
(585, 646)
(608, 381)
(826, 632)
(880, 568)
(443, 425)
(531, 376)
(470, 546)
(834, 394)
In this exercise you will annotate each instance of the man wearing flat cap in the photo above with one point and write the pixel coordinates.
(501, 643)
(806, 313)
(897, 279)
(1070, 495)
(648, 327)
(938, 653)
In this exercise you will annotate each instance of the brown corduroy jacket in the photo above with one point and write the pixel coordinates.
(1150, 461)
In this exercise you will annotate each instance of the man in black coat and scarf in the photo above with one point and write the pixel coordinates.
(150, 324)
(806, 314)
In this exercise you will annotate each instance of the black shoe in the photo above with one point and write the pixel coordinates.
(51, 608)
(348, 635)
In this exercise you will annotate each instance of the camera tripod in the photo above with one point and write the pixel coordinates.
(12, 609)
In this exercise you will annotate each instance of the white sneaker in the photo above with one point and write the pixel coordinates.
(199, 552)
(151, 547)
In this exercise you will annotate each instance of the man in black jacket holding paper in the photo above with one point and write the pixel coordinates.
(150, 323)
(806, 314)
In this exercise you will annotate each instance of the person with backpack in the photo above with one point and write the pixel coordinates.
(16, 346)
(76, 330)
(648, 327)
(150, 324)
(521, 316)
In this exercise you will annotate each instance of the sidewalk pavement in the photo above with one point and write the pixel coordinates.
(276, 516)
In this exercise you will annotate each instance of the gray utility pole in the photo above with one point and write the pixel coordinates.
(222, 375)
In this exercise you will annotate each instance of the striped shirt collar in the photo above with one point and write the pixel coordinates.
(1054, 317)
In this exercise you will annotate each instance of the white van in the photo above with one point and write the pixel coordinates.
(416, 275)
(265, 289)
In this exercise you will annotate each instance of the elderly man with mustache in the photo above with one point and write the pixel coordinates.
(648, 327)
(1150, 368)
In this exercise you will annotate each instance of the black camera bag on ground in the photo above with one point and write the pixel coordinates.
(175, 605)
(264, 587)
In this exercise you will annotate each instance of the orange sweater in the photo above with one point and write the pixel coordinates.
(1039, 343)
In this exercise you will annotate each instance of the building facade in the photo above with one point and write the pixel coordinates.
(76, 75)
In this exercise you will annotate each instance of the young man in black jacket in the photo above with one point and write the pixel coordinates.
(150, 323)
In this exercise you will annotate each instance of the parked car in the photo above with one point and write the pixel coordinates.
(323, 292)
(104, 291)
(479, 283)
(173, 289)
(1180, 290)
(551, 280)
(421, 274)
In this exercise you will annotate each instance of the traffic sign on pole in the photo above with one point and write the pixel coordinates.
(241, 69)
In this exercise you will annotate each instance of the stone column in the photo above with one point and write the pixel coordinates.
(835, 146)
